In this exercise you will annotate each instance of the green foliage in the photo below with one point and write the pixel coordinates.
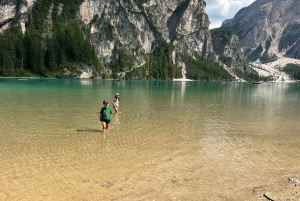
(70, 8)
(12, 1)
(160, 67)
(24, 53)
(221, 37)
(226, 60)
(39, 15)
(121, 60)
(224, 34)
(33, 54)
(199, 68)
(267, 58)
(293, 70)
(20, 53)
(69, 47)
(137, 73)
(251, 76)
(160, 64)
(106, 30)
(41, 8)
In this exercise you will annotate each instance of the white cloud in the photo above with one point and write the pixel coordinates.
(220, 10)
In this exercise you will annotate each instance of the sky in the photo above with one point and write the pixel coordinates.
(220, 10)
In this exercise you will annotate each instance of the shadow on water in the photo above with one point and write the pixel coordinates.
(88, 130)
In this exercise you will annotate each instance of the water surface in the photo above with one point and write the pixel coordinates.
(170, 141)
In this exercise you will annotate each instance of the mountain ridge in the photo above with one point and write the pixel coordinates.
(132, 39)
(270, 35)
(151, 35)
(263, 23)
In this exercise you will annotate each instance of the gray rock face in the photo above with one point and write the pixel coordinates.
(10, 9)
(230, 50)
(264, 23)
(294, 52)
(136, 27)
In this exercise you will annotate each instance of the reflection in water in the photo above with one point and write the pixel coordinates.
(183, 85)
(86, 81)
(183, 140)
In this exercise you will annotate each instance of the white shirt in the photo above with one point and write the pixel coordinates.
(115, 102)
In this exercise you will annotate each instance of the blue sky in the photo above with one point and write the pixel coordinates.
(220, 10)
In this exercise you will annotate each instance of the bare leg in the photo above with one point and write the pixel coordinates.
(104, 126)
(116, 109)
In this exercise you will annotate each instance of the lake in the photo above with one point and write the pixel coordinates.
(169, 141)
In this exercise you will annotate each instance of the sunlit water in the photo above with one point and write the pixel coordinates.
(170, 141)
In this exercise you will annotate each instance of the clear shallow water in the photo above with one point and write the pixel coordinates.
(170, 141)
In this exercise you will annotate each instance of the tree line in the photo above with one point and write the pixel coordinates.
(31, 53)
(201, 68)
(160, 66)
(68, 46)
(25, 54)
(293, 70)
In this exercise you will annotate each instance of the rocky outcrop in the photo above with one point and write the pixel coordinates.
(11, 9)
(229, 49)
(261, 27)
(133, 28)
(138, 26)
(294, 51)
(290, 41)
(86, 73)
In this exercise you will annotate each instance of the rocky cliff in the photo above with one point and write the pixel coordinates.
(127, 31)
(228, 47)
(9, 10)
(268, 28)
(137, 26)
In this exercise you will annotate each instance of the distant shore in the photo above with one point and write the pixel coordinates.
(182, 79)
(26, 77)
(175, 79)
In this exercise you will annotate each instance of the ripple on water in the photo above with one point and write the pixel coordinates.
(192, 144)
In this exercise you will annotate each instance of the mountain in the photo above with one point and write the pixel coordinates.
(140, 27)
(268, 29)
(133, 39)
(228, 47)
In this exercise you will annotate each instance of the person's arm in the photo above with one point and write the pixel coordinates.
(100, 116)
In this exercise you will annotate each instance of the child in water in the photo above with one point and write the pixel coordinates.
(105, 115)
(115, 102)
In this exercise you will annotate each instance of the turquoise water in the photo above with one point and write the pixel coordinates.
(170, 141)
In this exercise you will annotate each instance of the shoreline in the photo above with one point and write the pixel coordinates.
(182, 79)
(175, 79)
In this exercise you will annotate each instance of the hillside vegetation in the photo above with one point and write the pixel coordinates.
(57, 44)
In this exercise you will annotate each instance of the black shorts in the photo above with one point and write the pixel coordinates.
(105, 120)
